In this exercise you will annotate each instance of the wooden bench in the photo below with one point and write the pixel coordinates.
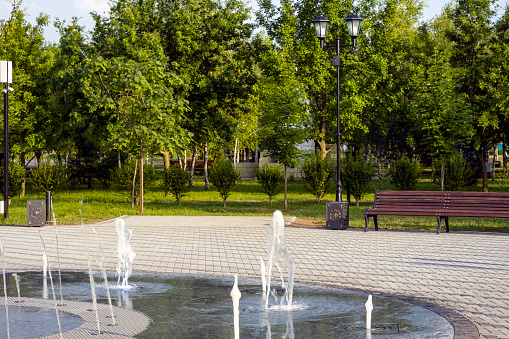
(441, 205)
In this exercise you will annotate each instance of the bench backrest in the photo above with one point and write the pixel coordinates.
(434, 200)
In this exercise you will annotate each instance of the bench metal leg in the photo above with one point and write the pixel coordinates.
(375, 220)
(366, 220)
(446, 224)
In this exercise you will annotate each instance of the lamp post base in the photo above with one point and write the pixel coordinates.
(337, 216)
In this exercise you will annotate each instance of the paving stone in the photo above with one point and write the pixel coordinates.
(464, 272)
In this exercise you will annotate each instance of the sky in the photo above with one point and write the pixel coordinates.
(66, 9)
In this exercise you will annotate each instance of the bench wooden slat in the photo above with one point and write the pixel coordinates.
(439, 204)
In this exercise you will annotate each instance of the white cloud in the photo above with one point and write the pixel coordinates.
(99, 6)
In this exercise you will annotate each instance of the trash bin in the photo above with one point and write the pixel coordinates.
(337, 217)
(36, 212)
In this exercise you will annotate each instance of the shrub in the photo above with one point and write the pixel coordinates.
(176, 181)
(404, 174)
(458, 173)
(355, 176)
(224, 177)
(47, 177)
(122, 177)
(16, 178)
(87, 170)
(271, 178)
(318, 173)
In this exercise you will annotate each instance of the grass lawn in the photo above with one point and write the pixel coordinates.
(247, 199)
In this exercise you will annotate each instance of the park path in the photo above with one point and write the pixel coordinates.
(461, 273)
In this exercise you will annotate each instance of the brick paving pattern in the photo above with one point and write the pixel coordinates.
(460, 271)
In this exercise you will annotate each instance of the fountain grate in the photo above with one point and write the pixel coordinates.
(375, 328)
(128, 322)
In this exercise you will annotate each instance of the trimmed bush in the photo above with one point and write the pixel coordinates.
(122, 177)
(47, 177)
(317, 173)
(271, 178)
(176, 181)
(355, 175)
(16, 177)
(405, 173)
(224, 177)
(458, 173)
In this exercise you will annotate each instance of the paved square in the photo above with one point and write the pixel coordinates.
(461, 271)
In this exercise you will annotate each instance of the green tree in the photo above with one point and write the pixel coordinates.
(458, 173)
(16, 178)
(128, 75)
(210, 41)
(405, 173)
(176, 181)
(472, 54)
(128, 177)
(47, 177)
(443, 121)
(318, 174)
(30, 121)
(224, 177)
(282, 120)
(270, 178)
(356, 174)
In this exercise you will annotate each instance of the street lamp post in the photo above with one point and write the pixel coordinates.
(6, 79)
(337, 212)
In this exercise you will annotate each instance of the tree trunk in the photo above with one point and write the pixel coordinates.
(206, 166)
(504, 158)
(235, 155)
(38, 156)
(141, 175)
(495, 157)
(379, 161)
(166, 159)
(133, 199)
(179, 159)
(321, 139)
(480, 157)
(193, 161)
(286, 185)
(442, 175)
(256, 153)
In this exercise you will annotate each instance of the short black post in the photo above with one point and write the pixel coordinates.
(48, 207)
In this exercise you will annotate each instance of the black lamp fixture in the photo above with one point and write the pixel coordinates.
(337, 212)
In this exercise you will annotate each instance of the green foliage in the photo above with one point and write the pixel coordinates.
(458, 172)
(122, 177)
(176, 181)
(16, 178)
(405, 173)
(355, 175)
(224, 177)
(318, 173)
(31, 123)
(270, 178)
(47, 177)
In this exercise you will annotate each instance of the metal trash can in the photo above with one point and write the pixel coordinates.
(36, 213)
(337, 217)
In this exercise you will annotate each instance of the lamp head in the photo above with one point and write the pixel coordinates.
(321, 24)
(353, 22)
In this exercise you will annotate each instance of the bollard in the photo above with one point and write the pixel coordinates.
(48, 207)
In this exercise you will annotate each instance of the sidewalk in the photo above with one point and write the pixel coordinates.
(466, 273)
